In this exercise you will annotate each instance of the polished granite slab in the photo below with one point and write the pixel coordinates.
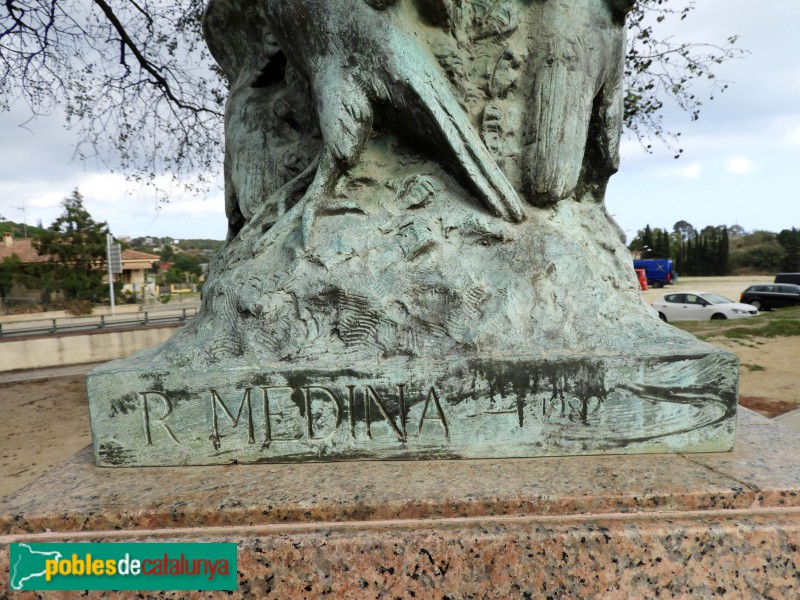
(700, 525)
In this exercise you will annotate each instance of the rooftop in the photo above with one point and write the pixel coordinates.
(26, 252)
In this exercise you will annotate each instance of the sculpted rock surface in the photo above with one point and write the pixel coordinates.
(419, 261)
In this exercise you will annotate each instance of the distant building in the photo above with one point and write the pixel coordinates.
(28, 255)
(22, 248)
(135, 264)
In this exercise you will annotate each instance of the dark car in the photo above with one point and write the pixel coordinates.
(771, 295)
(788, 278)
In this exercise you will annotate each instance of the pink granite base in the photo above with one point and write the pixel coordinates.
(666, 526)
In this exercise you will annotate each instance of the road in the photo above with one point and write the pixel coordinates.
(44, 326)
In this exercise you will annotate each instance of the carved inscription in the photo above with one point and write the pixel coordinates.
(261, 409)
(373, 398)
(148, 418)
(571, 409)
(314, 414)
(439, 414)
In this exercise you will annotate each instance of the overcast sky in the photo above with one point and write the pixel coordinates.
(740, 163)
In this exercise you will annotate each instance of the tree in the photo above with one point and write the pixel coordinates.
(13, 270)
(724, 254)
(694, 253)
(760, 259)
(659, 70)
(167, 253)
(10, 270)
(662, 245)
(683, 233)
(174, 275)
(76, 246)
(736, 232)
(188, 264)
(136, 80)
(652, 243)
(755, 252)
(789, 239)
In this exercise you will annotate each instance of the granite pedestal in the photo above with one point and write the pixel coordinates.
(676, 525)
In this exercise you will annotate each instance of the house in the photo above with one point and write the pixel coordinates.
(28, 255)
(22, 248)
(135, 264)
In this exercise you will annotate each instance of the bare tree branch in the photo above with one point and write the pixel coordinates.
(160, 81)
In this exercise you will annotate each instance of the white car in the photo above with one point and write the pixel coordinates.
(700, 306)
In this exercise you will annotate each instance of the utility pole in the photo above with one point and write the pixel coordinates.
(114, 262)
(24, 219)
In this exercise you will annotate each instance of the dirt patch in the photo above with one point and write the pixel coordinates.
(766, 406)
(44, 423)
(768, 372)
(769, 380)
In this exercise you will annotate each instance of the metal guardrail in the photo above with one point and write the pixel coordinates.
(70, 324)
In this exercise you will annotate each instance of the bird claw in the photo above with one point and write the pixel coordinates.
(516, 214)
(508, 209)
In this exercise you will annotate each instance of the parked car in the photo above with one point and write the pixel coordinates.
(660, 271)
(771, 295)
(642, 275)
(700, 306)
(793, 278)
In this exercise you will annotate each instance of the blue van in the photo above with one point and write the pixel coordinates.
(659, 271)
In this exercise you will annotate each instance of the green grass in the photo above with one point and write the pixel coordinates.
(774, 323)
(737, 334)
(753, 368)
(782, 327)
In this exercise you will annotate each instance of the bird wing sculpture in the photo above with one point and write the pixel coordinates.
(576, 102)
(358, 58)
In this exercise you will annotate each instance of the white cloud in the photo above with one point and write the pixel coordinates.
(45, 199)
(186, 206)
(128, 207)
(740, 166)
(631, 150)
(691, 171)
(794, 136)
(103, 188)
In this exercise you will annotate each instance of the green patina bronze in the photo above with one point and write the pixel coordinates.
(419, 261)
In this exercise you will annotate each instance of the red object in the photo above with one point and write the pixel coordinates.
(642, 274)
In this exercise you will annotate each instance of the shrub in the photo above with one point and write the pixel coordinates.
(78, 308)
